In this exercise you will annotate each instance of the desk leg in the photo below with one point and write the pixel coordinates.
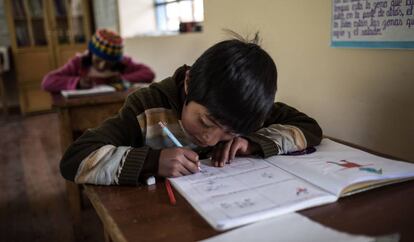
(73, 190)
(3, 96)
(107, 237)
(75, 201)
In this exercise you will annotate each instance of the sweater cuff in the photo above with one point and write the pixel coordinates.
(267, 146)
(150, 167)
(133, 166)
(139, 164)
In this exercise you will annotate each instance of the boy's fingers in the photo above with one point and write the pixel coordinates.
(225, 152)
(233, 151)
(190, 167)
(237, 145)
(219, 157)
(184, 171)
(190, 155)
(217, 154)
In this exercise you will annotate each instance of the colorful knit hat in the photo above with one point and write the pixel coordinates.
(106, 44)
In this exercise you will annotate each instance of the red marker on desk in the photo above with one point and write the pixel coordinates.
(170, 192)
(177, 143)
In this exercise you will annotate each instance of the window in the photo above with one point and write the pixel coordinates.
(179, 15)
(155, 17)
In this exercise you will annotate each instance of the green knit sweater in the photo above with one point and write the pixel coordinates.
(125, 148)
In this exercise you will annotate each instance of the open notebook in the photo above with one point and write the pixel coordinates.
(249, 190)
(96, 90)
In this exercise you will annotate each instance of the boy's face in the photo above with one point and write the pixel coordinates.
(203, 129)
(100, 64)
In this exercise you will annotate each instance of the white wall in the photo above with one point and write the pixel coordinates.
(136, 17)
(363, 96)
(106, 14)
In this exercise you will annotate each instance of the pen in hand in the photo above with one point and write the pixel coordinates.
(172, 137)
(178, 144)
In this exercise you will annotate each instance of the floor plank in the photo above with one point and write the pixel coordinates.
(33, 203)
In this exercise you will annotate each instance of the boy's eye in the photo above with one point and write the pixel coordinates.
(205, 124)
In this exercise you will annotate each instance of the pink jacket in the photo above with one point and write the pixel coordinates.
(67, 77)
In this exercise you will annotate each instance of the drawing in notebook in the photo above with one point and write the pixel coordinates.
(301, 190)
(249, 189)
(349, 165)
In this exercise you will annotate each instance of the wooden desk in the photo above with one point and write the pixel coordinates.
(77, 115)
(139, 213)
(132, 213)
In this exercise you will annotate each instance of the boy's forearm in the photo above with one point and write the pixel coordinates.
(108, 165)
(286, 130)
(267, 147)
(99, 155)
(75, 154)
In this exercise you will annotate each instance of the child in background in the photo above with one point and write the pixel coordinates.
(102, 63)
(222, 104)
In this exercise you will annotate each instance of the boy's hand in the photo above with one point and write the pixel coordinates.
(175, 162)
(85, 83)
(117, 78)
(225, 152)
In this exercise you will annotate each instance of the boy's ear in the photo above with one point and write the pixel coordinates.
(186, 80)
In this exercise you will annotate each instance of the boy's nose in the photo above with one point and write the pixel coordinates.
(211, 138)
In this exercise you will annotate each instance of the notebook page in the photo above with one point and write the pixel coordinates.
(334, 167)
(290, 227)
(245, 191)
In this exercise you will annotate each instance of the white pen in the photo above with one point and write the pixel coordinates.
(172, 137)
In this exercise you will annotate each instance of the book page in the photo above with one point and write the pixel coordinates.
(336, 167)
(99, 89)
(291, 227)
(245, 191)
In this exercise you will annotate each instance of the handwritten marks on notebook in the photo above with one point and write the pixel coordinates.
(249, 190)
(246, 190)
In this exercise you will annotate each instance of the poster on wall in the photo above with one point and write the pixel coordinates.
(373, 24)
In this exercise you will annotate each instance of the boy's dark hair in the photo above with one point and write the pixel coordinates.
(86, 62)
(236, 81)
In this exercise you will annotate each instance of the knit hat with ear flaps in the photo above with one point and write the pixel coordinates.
(106, 44)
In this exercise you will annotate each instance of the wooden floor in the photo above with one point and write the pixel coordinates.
(33, 205)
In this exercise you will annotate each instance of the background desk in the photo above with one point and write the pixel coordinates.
(77, 115)
(132, 213)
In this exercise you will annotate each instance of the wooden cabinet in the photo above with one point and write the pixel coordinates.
(44, 35)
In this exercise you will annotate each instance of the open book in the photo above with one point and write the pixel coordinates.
(249, 190)
(96, 90)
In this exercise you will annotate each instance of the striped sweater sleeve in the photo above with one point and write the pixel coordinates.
(286, 130)
(113, 153)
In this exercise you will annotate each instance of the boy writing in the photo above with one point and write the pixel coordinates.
(102, 63)
(223, 104)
